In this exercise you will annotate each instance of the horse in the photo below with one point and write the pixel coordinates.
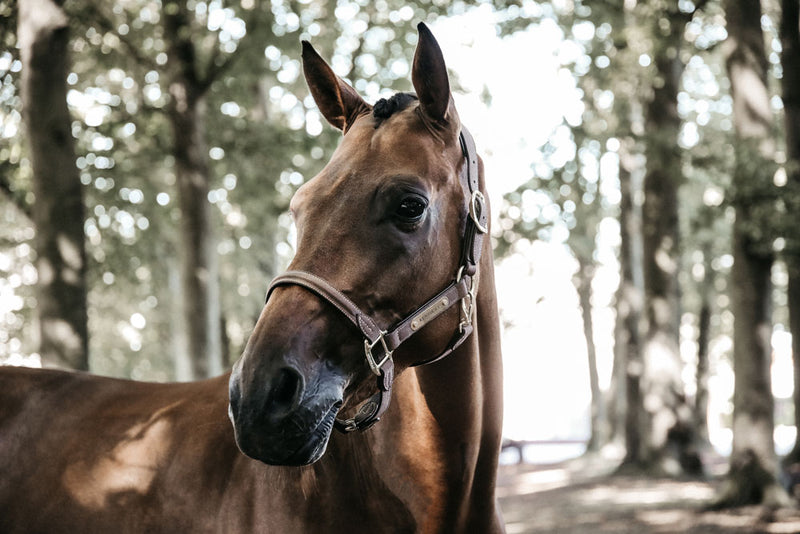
(368, 397)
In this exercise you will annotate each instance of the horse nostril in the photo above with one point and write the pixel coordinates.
(286, 391)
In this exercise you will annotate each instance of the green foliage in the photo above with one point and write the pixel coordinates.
(265, 138)
(264, 135)
(614, 70)
(564, 196)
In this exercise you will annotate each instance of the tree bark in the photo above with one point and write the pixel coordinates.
(630, 302)
(178, 340)
(200, 280)
(790, 85)
(669, 434)
(753, 462)
(583, 284)
(703, 337)
(626, 395)
(58, 211)
(793, 299)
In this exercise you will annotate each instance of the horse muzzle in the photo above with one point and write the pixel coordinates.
(285, 418)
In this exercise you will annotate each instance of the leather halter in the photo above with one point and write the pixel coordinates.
(385, 342)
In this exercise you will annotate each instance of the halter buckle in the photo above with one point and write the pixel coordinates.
(363, 420)
(348, 425)
(467, 307)
(477, 205)
(387, 354)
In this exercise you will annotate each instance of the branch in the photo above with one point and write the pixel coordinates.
(107, 24)
(10, 193)
(687, 17)
(216, 68)
(180, 47)
(699, 6)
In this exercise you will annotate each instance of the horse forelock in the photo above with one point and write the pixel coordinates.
(385, 108)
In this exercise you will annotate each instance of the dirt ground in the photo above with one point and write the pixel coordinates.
(580, 496)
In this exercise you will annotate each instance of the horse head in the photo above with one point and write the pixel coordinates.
(380, 234)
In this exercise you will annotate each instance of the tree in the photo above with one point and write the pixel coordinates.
(790, 84)
(195, 60)
(266, 140)
(628, 365)
(707, 141)
(753, 463)
(186, 111)
(666, 415)
(574, 203)
(58, 208)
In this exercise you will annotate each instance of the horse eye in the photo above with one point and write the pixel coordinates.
(411, 209)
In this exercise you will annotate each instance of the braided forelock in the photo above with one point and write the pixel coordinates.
(385, 108)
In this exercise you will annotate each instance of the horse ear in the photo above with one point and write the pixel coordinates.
(429, 76)
(339, 103)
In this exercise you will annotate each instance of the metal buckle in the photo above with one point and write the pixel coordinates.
(477, 205)
(459, 273)
(376, 367)
(349, 425)
(365, 413)
(467, 307)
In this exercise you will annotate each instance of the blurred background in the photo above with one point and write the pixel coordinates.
(641, 157)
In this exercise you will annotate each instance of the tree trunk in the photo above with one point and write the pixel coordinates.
(179, 343)
(625, 395)
(753, 462)
(703, 337)
(58, 208)
(200, 278)
(669, 430)
(630, 302)
(583, 284)
(790, 84)
(794, 327)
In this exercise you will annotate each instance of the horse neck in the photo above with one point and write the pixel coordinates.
(444, 427)
(427, 466)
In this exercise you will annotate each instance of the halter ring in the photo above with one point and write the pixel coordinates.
(368, 346)
(467, 307)
(476, 208)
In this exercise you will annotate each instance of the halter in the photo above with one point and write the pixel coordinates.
(380, 344)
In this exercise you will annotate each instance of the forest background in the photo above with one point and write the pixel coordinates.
(642, 155)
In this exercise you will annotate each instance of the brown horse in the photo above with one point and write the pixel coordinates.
(391, 275)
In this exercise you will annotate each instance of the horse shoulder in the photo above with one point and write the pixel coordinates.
(81, 453)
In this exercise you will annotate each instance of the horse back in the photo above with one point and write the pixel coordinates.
(81, 453)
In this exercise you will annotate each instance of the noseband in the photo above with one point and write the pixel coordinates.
(379, 344)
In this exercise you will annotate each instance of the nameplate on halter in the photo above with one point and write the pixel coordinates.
(431, 313)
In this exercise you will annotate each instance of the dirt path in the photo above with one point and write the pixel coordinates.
(581, 498)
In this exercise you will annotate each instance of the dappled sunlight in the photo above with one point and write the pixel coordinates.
(646, 493)
(572, 497)
(130, 467)
(784, 528)
(661, 518)
(71, 255)
(536, 481)
(63, 331)
(665, 257)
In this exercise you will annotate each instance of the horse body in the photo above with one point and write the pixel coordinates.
(80, 453)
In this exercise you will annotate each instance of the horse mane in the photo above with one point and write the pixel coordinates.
(385, 108)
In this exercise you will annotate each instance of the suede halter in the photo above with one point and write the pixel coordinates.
(385, 342)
